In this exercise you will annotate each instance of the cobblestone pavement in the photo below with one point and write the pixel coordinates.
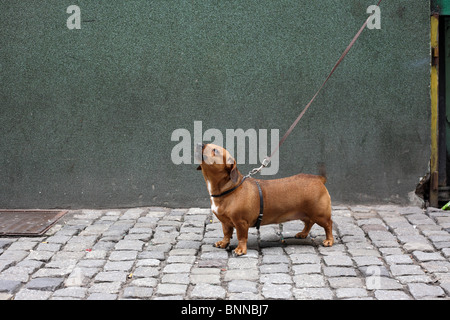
(381, 252)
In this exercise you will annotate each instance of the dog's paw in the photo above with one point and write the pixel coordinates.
(301, 235)
(240, 251)
(221, 244)
(328, 242)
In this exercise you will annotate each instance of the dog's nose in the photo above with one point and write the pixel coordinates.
(198, 152)
(199, 147)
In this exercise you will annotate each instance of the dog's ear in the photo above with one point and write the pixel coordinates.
(199, 167)
(234, 172)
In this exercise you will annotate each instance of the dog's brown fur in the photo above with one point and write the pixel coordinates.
(302, 196)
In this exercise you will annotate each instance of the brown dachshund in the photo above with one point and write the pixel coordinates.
(235, 199)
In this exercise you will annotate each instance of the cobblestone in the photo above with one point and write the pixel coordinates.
(208, 291)
(381, 252)
(351, 293)
(9, 286)
(171, 289)
(46, 284)
(137, 292)
(422, 290)
(73, 292)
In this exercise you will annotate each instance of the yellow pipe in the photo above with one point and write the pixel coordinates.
(434, 114)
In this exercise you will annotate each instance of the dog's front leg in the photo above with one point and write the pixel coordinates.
(227, 234)
(242, 235)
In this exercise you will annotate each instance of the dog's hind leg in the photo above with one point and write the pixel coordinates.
(308, 225)
(328, 226)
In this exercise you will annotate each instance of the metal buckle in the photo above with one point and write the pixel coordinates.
(264, 164)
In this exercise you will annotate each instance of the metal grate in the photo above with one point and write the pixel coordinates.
(27, 222)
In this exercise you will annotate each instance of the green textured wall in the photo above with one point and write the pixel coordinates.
(87, 115)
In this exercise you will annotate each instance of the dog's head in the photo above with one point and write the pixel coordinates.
(216, 162)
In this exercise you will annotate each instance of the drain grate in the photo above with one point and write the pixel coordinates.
(27, 222)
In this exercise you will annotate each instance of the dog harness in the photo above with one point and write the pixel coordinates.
(261, 206)
(261, 200)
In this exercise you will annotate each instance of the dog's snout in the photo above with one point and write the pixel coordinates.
(200, 146)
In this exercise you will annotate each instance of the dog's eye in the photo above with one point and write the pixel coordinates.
(215, 152)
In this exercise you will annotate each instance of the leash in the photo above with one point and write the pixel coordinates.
(267, 160)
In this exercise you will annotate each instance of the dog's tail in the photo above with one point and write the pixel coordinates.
(321, 168)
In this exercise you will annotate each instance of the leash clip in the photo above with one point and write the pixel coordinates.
(264, 164)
